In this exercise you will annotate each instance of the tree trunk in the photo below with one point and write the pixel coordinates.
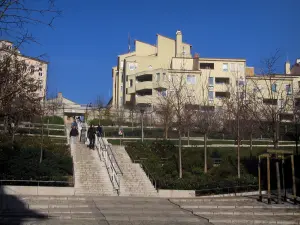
(278, 182)
(251, 144)
(166, 131)
(238, 148)
(276, 133)
(205, 153)
(188, 132)
(179, 156)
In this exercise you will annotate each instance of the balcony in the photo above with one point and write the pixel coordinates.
(146, 99)
(143, 85)
(160, 85)
(221, 87)
(130, 90)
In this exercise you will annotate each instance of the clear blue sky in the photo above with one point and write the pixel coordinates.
(87, 38)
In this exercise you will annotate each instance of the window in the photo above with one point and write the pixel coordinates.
(225, 67)
(157, 77)
(233, 67)
(40, 74)
(209, 66)
(130, 83)
(210, 95)
(162, 93)
(270, 101)
(40, 69)
(164, 76)
(32, 69)
(274, 87)
(222, 80)
(288, 89)
(211, 81)
(191, 79)
(222, 95)
(241, 69)
(121, 88)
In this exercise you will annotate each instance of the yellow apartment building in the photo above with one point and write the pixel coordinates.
(142, 75)
(38, 68)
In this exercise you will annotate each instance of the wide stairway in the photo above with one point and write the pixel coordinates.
(240, 210)
(134, 181)
(91, 177)
(79, 210)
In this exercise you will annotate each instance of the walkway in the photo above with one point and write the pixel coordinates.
(91, 177)
(94, 211)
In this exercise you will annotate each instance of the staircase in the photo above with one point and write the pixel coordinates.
(91, 177)
(240, 210)
(79, 210)
(134, 181)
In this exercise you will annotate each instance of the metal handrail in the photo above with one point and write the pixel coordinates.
(111, 164)
(113, 155)
(148, 173)
(146, 170)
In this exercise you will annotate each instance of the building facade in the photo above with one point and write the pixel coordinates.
(147, 73)
(143, 75)
(36, 68)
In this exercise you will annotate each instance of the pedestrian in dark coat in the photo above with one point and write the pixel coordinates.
(91, 136)
(73, 134)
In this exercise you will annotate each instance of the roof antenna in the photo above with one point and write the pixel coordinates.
(129, 42)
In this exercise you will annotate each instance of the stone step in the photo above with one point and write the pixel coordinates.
(241, 211)
(253, 219)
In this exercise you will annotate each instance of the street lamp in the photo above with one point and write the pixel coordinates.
(86, 111)
(142, 112)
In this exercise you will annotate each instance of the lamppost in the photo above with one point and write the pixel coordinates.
(86, 111)
(142, 110)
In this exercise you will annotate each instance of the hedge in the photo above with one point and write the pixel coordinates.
(20, 161)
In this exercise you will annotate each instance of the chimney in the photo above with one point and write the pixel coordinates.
(178, 44)
(287, 68)
(196, 62)
(59, 95)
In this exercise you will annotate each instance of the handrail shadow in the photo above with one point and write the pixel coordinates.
(14, 211)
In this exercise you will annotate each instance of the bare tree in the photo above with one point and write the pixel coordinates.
(99, 106)
(19, 96)
(17, 16)
(270, 96)
(164, 110)
(234, 105)
(182, 104)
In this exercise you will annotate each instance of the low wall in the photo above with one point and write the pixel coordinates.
(235, 194)
(36, 190)
(165, 193)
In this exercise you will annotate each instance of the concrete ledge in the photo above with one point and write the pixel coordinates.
(234, 194)
(37, 190)
(165, 193)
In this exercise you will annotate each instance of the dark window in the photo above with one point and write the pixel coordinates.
(222, 80)
(269, 101)
(207, 108)
(210, 66)
(222, 95)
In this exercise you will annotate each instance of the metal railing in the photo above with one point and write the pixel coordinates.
(106, 154)
(148, 173)
(146, 170)
(226, 190)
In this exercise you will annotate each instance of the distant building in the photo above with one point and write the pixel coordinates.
(38, 68)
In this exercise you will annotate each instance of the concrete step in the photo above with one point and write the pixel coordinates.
(253, 219)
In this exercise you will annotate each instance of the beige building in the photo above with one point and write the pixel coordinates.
(147, 73)
(37, 68)
(144, 74)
